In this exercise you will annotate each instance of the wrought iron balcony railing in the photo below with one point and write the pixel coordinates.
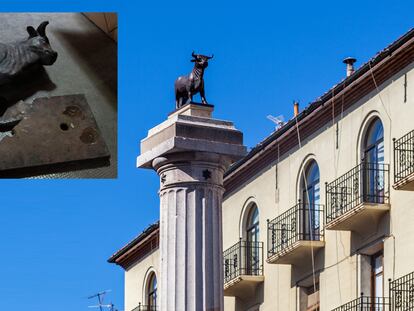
(365, 183)
(404, 157)
(243, 258)
(300, 223)
(141, 307)
(365, 303)
(402, 293)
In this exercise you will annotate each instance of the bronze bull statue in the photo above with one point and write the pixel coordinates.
(187, 86)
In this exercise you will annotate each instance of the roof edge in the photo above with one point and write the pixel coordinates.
(135, 242)
(320, 101)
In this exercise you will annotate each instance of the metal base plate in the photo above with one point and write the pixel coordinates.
(54, 134)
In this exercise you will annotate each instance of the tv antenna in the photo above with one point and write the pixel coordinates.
(279, 121)
(101, 305)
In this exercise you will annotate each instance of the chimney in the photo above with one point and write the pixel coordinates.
(349, 61)
(295, 108)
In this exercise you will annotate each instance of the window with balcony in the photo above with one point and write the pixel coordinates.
(361, 196)
(243, 262)
(297, 233)
(150, 294)
(373, 296)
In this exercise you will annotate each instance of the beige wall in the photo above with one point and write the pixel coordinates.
(339, 271)
(136, 279)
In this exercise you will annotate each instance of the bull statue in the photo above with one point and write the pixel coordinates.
(18, 56)
(187, 86)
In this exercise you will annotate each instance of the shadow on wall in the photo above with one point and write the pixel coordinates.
(251, 302)
(95, 52)
(302, 275)
(371, 235)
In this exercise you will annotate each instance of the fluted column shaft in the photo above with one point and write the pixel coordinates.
(191, 232)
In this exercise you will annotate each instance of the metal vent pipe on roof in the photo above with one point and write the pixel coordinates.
(295, 108)
(349, 61)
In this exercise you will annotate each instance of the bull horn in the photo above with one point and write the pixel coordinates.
(210, 57)
(32, 32)
(42, 28)
(193, 55)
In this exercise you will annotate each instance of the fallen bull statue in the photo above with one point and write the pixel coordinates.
(35, 50)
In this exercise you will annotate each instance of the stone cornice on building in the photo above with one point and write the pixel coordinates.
(318, 114)
(138, 248)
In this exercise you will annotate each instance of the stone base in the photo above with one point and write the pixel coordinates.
(195, 110)
(191, 128)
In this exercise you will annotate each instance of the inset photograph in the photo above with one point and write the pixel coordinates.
(58, 95)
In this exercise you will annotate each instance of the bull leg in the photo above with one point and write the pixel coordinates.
(178, 101)
(202, 95)
(190, 98)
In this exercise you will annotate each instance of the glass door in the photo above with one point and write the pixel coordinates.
(252, 249)
(311, 201)
(373, 164)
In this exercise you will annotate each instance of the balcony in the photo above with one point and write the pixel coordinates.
(243, 268)
(365, 303)
(404, 162)
(358, 198)
(144, 308)
(402, 293)
(295, 234)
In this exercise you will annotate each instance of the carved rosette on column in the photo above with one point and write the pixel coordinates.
(190, 152)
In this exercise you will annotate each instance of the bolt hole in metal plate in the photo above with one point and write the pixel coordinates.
(52, 135)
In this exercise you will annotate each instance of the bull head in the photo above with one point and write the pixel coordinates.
(201, 60)
(39, 44)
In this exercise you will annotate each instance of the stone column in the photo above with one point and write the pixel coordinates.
(190, 152)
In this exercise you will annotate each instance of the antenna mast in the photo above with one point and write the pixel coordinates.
(101, 296)
(279, 121)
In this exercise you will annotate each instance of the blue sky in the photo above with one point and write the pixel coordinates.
(56, 235)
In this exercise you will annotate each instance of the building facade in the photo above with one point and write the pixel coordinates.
(319, 215)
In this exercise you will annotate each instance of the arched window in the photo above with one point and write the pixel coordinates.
(310, 208)
(374, 143)
(251, 247)
(252, 224)
(152, 292)
(373, 162)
